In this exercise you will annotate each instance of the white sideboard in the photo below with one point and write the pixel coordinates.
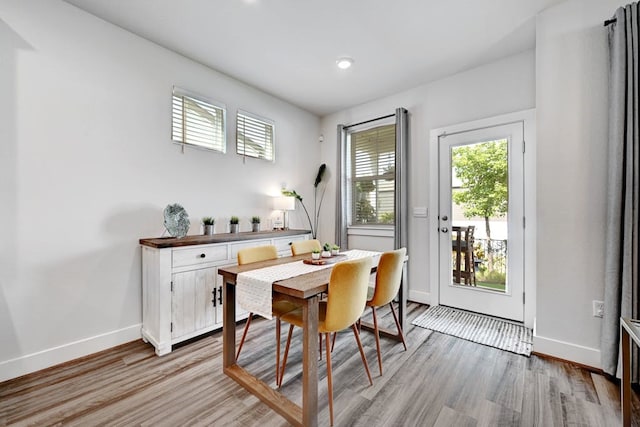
(181, 288)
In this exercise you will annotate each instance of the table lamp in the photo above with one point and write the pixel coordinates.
(284, 204)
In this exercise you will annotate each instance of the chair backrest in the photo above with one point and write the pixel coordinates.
(468, 236)
(259, 253)
(347, 294)
(305, 246)
(388, 277)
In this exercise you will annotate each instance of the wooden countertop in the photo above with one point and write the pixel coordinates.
(171, 242)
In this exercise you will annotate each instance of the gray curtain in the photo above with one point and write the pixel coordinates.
(622, 251)
(341, 187)
(401, 236)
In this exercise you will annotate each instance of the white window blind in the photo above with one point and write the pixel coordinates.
(198, 122)
(255, 136)
(373, 175)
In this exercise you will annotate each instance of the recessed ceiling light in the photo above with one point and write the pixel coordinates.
(344, 62)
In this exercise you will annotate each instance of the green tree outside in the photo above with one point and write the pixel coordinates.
(483, 171)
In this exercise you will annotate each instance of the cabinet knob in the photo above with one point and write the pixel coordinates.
(202, 255)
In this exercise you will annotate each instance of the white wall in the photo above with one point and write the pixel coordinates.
(497, 88)
(571, 99)
(87, 166)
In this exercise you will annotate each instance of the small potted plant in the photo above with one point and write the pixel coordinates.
(233, 224)
(208, 223)
(335, 249)
(315, 254)
(326, 251)
(255, 223)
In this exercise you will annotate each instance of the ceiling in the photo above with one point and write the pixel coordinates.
(288, 48)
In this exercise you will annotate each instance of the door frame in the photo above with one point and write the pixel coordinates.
(528, 120)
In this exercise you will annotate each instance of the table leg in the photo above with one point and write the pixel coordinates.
(310, 362)
(229, 325)
(626, 377)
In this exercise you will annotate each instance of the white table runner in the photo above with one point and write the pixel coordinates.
(253, 288)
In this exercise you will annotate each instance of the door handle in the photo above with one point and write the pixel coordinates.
(444, 229)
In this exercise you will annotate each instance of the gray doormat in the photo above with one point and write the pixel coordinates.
(478, 328)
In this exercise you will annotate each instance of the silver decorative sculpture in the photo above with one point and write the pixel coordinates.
(176, 220)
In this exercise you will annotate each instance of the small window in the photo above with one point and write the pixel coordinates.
(373, 154)
(254, 136)
(198, 122)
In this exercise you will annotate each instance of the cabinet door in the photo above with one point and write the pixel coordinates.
(219, 312)
(191, 307)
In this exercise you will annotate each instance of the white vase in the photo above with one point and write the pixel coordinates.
(315, 255)
(326, 254)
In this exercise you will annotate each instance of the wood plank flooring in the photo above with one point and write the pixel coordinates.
(439, 381)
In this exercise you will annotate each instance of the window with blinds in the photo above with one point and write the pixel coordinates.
(198, 122)
(373, 175)
(255, 136)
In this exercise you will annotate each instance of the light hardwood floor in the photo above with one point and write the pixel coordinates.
(439, 381)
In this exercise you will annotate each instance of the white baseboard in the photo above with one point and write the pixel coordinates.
(419, 296)
(29, 363)
(567, 351)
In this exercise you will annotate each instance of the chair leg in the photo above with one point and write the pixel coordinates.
(377, 334)
(329, 377)
(320, 345)
(333, 342)
(278, 325)
(244, 335)
(364, 358)
(395, 317)
(286, 353)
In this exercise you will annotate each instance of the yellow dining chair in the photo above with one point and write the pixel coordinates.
(388, 279)
(345, 303)
(256, 254)
(305, 246)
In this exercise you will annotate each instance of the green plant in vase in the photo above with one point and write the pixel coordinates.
(326, 250)
(255, 223)
(233, 224)
(208, 223)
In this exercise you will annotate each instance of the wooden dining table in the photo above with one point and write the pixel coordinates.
(305, 290)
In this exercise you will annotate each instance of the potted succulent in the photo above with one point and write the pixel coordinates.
(208, 223)
(326, 251)
(255, 223)
(233, 224)
(335, 249)
(315, 254)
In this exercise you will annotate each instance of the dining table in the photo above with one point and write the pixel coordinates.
(305, 290)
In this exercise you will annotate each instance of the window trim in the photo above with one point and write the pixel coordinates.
(264, 121)
(180, 92)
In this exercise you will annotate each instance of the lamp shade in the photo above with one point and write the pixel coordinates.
(284, 203)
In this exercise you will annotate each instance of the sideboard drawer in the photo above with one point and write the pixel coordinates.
(284, 244)
(243, 245)
(199, 255)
